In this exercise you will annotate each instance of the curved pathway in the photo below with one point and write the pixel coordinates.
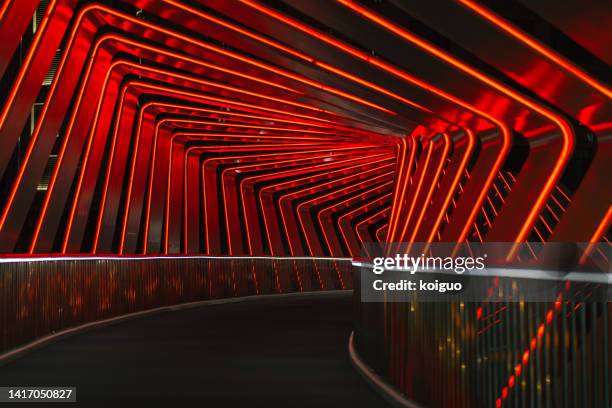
(274, 352)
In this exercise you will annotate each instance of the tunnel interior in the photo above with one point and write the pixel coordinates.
(256, 147)
(297, 128)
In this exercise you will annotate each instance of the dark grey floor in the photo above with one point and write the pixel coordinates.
(289, 352)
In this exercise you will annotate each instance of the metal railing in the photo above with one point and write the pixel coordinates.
(490, 354)
(41, 296)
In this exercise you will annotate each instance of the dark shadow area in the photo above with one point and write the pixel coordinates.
(284, 352)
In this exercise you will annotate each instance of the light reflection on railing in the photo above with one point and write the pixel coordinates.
(492, 353)
(42, 297)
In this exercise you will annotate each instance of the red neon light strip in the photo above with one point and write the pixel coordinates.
(535, 45)
(568, 136)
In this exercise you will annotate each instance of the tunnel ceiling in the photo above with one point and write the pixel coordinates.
(301, 127)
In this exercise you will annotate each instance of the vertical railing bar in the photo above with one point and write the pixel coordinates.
(583, 353)
(536, 354)
(574, 353)
(565, 350)
(605, 354)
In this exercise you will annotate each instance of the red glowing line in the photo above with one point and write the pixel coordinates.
(403, 177)
(324, 182)
(137, 137)
(329, 208)
(240, 30)
(26, 62)
(148, 209)
(352, 184)
(242, 58)
(308, 189)
(81, 15)
(105, 38)
(205, 136)
(255, 147)
(282, 197)
(400, 150)
(372, 86)
(50, 95)
(144, 46)
(3, 8)
(400, 157)
(263, 139)
(257, 117)
(451, 192)
(566, 130)
(505, 133)
(55, 174)
(532, 346)
(109, 169)
(249, 178)
(379, 230)
(228, 88)
(429, 193)
(422, 172)
(535, 45)
(303, 56)
(378, 200)
(599, 231)
(199, 122)
(207, 99)
(221, 148)
(150, 26)
(151, 173)
(225, 158)
(378, 214)
(276, 162)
